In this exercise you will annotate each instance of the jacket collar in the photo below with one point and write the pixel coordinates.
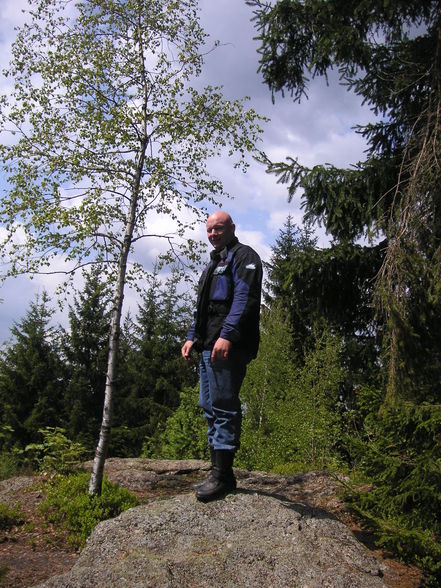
(222, 254)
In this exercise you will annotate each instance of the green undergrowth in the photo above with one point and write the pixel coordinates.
(402, 504)
(12, 464)
(9, 517)
(69, 505)
(56, 453)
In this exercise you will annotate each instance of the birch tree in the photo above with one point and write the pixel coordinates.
(106, 127)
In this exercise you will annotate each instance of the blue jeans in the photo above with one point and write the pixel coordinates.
(219, 388)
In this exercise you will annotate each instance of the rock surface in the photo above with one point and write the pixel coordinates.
(273, 532)
(245, 540)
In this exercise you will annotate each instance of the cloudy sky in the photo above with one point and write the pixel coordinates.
(317, 131)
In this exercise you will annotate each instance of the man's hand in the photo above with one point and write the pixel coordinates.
(221, 350)
(186, 349)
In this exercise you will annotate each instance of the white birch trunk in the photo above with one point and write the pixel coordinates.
(96, 479)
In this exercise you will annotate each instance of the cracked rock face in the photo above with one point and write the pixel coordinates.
(249, 539)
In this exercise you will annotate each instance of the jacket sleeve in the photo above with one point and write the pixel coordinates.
(247, 284)
(190, 333)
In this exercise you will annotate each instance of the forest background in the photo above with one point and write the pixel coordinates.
(349, 369)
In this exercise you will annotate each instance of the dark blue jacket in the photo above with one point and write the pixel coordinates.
(228, 302)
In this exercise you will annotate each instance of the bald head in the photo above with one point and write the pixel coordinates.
(220, 229)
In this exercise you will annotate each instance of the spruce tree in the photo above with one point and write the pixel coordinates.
(389, 54)
(32, 378)
(86, 350)
(328, 289)
(291, 244)
(152, 372)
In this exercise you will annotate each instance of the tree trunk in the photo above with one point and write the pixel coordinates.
(96, 479)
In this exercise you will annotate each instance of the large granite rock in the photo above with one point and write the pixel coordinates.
(264, 535)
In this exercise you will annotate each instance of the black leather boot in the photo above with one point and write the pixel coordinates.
(212, 458)
(221, 479)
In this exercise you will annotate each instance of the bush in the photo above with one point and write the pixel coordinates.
(11, 458)
(9, 517)
(56, 454)
(69, 505)
(185, 434)
(10, 464)
(291, 420)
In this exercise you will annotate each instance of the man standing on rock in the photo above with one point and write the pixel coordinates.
(226, 333)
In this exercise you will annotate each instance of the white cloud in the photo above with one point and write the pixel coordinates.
(256, 240)
(11, 16)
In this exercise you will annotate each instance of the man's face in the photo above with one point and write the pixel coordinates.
(220, 230)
